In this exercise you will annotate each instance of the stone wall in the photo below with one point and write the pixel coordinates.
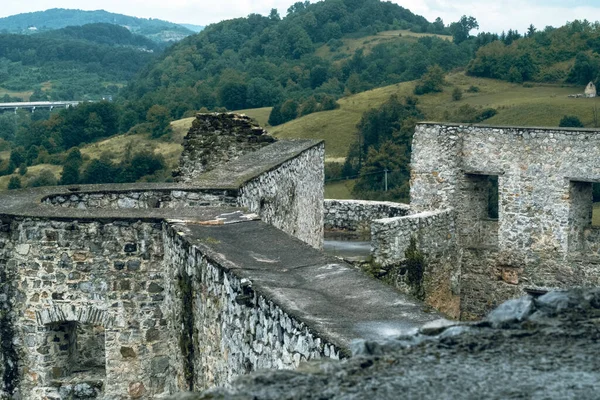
(229, 328)
(9, 373)
(97, 277)
(145, 199)
(290, 196)
(421, 249)
(355, 215)
(543, 235)
(215, 139)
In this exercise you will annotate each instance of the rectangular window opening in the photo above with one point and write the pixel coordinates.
(492, 196)
(596, 204)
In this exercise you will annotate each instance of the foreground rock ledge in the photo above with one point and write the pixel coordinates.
(545, 347)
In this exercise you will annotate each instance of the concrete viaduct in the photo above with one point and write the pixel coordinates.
(32, 105)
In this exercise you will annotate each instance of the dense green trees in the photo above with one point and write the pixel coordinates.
(80, 62)
(271, 61)
(384, 143)
(542, 55)
(71, 166)
(461, 30)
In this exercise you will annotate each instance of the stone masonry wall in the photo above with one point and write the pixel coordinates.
(104, 277)
(437, 279)
(145, 199)
(290, 197)
(543, 236)
(353, 215)
(9, 374)
(228, 328)
(215, 139)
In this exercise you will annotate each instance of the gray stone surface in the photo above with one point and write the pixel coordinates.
(434, 236)
(550, 354)
(118, 291)
(543, 236)
(291, 196)
(357, 215)
(275, 308)
(215, 139)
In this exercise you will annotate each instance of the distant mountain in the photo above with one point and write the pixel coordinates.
(76, 62)
(105, 34)
(191, 27)
(56, 18)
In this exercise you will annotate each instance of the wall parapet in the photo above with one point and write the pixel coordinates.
(354, 215)
(422, 253)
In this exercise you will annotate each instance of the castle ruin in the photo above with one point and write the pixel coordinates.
(494, 211)
(139, 291)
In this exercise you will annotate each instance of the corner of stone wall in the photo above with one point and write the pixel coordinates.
(290, 196)
(421, 257)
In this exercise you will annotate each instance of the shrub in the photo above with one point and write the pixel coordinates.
(45, 178)
(431, 81)
(457, 94)
(14, 183)
(570, 121)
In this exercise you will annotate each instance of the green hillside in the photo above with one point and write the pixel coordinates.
(56, 18)
(529, 105)
(534, 105)
(300, 63)
(538, 105)
(72, 63)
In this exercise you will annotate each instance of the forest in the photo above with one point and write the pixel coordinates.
(74, 63)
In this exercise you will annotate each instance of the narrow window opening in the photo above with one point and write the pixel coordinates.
(580, 214)
(479, 210)
(492, 202)
(596, 204)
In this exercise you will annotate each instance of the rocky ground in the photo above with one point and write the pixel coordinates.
(528, 348)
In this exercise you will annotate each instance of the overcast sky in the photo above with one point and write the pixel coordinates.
(492, 15)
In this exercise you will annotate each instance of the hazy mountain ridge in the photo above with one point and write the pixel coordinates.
(56, 18)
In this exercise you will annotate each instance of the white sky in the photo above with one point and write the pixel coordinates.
(492, 15)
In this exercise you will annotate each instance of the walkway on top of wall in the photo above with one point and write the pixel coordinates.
(228, 177)
(335, 300)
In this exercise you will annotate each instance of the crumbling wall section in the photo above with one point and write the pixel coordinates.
(215, 139)
(229, 328)
(290, 196)
(421, 252)
(355, 215)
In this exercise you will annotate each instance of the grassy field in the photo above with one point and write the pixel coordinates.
(24, 95)
(367, 43)
(339, 190)
(540, 105)
(32, 172)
